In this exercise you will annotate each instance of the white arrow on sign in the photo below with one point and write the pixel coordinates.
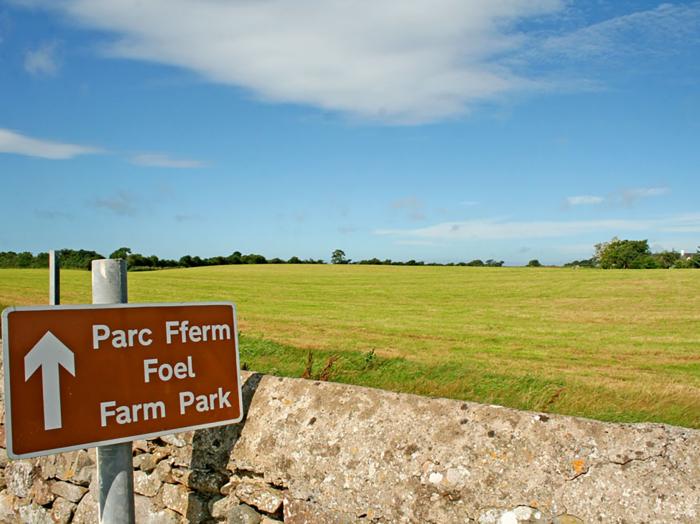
(48, 354)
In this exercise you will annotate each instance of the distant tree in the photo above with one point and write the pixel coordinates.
(235, 258)
(294, 260)
(589, 262)
(78, 258)
(601, 248)
(667, 259)
(476, 262)
(253, 259)
(8, 259)
(625, 254)
(216, 261)
(534, 263)
(695, 259)
(494, 263)
(338, 257)
(167, 262)
(41, 260)
(122, 252)
(25, 259)
(138, 260)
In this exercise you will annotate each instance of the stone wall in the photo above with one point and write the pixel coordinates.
(321, 452)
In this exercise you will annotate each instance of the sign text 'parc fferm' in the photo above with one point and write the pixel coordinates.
(83, 376)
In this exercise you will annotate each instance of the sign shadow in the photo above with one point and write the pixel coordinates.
(211, 450)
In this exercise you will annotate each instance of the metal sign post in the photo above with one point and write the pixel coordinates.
(115, 477)
(54, 278)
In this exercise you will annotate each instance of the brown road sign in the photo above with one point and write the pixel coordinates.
(83, 376)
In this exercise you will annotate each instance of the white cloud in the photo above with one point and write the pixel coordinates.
(16, 143)
(584, 200)
(43, 61)
(162, 160)
(495, 228)
(407, 61)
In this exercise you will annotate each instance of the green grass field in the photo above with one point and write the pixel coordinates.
(611, 345)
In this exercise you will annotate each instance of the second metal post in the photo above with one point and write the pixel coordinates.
(114, 462)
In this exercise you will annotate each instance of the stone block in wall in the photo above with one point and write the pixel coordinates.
(87, 511)
(41, 492)
(306, 512)
(164, 471)
(147, 484)
(197, 508)
(175, 497)
(243, 514)
(260, 496)
(206, 481)
(141, 445)
(76, 467)
(8, 508)
(145, 461)
(34, 514)
(62, 511)
(219, 508)
(68, 491)
(147, 513)
(268, 520)
(19, 477)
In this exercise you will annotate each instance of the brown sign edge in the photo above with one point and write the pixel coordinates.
(8, 393)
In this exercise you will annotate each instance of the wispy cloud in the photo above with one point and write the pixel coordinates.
(52, 214)
(187, 218)
(166, 161)
(347, 230)
(414, 243)
(122, 203)
(660, 30)
(625, 197)
(44, 60)
(497, 228)
(4, 26)
(584, 200)
(632, 195)
(16, 143)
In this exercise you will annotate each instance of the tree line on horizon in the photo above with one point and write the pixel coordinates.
(615, 254)
(636, 254)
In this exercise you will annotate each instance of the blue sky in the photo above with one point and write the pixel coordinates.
(438, 130)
